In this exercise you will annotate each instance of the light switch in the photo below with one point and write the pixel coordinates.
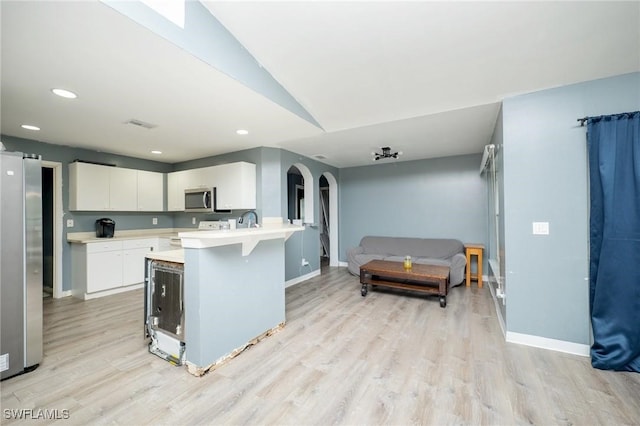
(540, 228)
(69, 223)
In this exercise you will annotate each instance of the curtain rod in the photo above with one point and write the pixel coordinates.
(625, 114)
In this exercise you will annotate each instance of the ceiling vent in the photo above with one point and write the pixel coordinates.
(320, 157)
(140, 123)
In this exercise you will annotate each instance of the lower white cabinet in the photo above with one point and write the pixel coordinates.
(103, 268)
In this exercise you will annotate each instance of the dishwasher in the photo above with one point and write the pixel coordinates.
(164, 310)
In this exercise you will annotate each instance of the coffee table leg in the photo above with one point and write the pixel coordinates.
(443, 301)
(364, 290)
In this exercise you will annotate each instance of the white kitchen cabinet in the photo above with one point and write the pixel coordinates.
(235, 186)
(175, 191)
(123, 189)
(103, 268)
(94, 187)
(133, 253)
(177, 182)
(88, 187)
(150, 191)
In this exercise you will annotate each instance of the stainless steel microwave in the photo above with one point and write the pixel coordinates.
(202, 200)
(199, 200)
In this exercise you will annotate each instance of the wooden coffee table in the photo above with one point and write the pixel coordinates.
(430, 279)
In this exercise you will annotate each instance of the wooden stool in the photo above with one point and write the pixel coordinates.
(474, 250)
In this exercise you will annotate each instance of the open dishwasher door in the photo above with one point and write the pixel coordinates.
(164, 310)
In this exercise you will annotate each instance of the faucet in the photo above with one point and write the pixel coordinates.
(248, 216)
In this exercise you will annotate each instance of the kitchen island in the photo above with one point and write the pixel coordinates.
(233, 290)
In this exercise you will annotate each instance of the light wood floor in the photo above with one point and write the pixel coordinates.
(341, 359)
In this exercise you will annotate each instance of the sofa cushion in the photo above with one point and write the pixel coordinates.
(433, 248)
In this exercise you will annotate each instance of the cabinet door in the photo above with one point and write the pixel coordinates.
(104, 270)
(88, 187)
(150, 191)
(123, 189)
(175, 191)
(133, 265)
(194, 178)
(133, 254)
(236, 186)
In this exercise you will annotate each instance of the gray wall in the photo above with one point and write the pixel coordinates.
(85, 221)
(305, 244)
(545, 179)
(435, 198)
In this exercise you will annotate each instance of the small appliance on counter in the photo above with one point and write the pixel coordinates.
(105, 228)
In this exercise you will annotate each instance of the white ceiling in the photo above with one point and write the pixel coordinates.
(425, 78)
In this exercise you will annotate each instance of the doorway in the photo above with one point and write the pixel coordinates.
(47, 232)
(325, 242)
(52, 229)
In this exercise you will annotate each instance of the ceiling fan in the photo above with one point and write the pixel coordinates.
(386, 153)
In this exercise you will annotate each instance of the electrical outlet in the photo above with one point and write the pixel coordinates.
(154, 221)
(304, 262)
(193, 220)
(69, 223)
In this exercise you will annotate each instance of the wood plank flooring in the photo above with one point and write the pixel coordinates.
(389, 358)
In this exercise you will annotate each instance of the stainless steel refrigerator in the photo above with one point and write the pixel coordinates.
(21, 263)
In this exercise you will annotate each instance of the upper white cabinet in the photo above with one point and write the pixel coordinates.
(88, 187)
(93, 187)
(123, 189)
(150, 191)
(235, 185)
(176, 184)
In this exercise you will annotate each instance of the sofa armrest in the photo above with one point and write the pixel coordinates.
(352, 252)
(353, 265)
(458, 262)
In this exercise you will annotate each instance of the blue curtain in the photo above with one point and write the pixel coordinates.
(614, 263)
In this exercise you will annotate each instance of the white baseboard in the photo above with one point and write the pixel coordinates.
(301, 278)
(343, 264)
(88, 296)
(550, 344)
(65, 293)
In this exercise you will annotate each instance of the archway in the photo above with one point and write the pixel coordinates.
(333, 218)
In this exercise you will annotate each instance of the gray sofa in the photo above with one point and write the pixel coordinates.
(430, 251)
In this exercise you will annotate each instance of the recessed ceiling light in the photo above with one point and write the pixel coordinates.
(30, 127)
(64, 93)
(242, 132)
(156, 152)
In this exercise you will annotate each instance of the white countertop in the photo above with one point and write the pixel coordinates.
(176, 256)
(134, 234)
(248, 237)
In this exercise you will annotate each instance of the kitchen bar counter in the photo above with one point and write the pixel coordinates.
(248, 237)
(234, 290)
